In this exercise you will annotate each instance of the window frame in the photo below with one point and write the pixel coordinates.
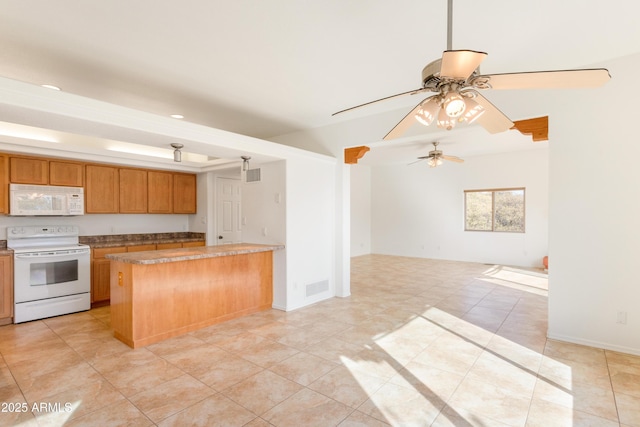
(493, 209)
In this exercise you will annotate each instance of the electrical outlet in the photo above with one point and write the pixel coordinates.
(622, 318)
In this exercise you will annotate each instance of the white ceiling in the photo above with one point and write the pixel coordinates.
(269, 68)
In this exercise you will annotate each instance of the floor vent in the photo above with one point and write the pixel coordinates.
(317, 288)
(253, 175)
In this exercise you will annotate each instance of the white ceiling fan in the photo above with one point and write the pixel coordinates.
(456, 81)
(435, 157)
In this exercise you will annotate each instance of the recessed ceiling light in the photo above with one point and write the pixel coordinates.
(51, 87)
(177, 116)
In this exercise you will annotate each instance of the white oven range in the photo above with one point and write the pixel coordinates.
(51, 271)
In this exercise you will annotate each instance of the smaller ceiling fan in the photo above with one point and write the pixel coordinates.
(435, 157)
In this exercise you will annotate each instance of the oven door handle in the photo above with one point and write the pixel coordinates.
(35, 255)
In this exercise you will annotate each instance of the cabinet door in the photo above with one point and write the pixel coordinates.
(101, 273)
(6, 289)
(184, 193)
(160, 190)
(29, 171)
(66, 174)
(101, 195)
(133, 191)
(4, 184)
(100, 280)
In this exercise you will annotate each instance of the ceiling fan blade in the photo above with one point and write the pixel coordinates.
(403, 124)
(559, 79)
(452, 158)
(493, 120)
(459, 64)
(416, 161)
(398, 95)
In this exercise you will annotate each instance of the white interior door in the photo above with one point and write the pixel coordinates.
(228, 198)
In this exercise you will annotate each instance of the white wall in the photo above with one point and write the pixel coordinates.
(264, 205)
(199, 221)
(418, 211)
(311, 200)
(360, 210)
(594, 214)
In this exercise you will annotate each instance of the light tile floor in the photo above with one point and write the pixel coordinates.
(419, 343)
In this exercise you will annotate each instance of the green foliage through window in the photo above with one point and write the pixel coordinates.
(494, 210)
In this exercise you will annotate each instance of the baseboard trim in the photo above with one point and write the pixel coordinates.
(596, 344)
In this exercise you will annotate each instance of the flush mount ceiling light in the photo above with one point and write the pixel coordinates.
(51, 87)
(177, 154)
(177, 116)
(245, 163)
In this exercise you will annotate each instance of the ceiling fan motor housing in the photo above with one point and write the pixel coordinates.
(431, 74)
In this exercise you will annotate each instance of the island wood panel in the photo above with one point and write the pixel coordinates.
(153, 302)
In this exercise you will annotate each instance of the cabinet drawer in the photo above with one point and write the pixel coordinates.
(161, 246)
(101, 252)
(141, 248)
(192, 244)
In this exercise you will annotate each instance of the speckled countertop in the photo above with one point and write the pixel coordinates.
(113, 240)
(3, 248)
(186, 254)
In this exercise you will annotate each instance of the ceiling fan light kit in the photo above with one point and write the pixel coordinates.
(434, 162)
(456, 81)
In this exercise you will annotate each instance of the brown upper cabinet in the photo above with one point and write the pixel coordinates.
(133, 191)
(24, 170)
(67, 174)
(102, 189)
(4, 183)
(184, 193)
(108, 189)
(160, 190)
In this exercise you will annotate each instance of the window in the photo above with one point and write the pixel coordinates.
(494, 210)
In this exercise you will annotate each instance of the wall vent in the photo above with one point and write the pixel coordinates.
(252, 175)
(317, 288)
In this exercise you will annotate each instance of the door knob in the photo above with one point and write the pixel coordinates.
(220, 237)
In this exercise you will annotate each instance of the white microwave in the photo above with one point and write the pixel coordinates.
(45, 200)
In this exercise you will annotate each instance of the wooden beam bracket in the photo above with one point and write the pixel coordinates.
(538, 128)
(353, 154)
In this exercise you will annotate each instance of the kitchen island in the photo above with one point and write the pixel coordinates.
(156, 295)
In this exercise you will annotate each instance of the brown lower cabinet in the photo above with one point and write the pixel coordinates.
(6, 289)
(101, 266)
(101, 273)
